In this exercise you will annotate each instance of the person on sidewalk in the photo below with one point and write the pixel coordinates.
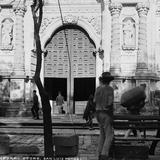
(59, 101)
(89, 112)
(104, 98)
(35, 107)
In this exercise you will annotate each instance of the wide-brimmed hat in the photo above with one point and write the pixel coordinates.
(106, 77)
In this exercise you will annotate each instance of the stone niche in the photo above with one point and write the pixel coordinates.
(129, 39)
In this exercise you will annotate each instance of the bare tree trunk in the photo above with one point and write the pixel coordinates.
(47, 121)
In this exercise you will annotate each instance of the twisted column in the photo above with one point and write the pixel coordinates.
(19, 57)
(115, 9)
(142, 57)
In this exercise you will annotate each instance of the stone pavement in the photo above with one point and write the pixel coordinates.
(33, 137)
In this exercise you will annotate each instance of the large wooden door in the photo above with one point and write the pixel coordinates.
(70, 42)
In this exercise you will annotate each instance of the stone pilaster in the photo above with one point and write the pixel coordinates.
(99, 66)
(19, 57)
(106, 29)
(142, 57)
(115, 9)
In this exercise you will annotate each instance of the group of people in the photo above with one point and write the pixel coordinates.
(101, 106)
(35, 106)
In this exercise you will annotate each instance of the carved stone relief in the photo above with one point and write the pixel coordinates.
(7, 34)
(70, 19)
(129, 33)
(46, 22)
(95, 22)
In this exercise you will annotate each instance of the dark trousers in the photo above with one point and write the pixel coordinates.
(136, 112)
(154, 143)
(34, 111)
(90, 121)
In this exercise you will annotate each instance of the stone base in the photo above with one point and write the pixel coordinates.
(146, 76)
(25, 149)
(4, 144)
(130, 151)
(15, 109)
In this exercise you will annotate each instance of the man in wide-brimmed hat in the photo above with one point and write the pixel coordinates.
(104, 97)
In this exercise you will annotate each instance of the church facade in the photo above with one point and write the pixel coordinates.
(80, 40)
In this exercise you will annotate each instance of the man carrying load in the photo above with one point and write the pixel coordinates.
(134, 101)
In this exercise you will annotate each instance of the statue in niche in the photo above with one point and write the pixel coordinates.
(7, 32)
(128, 32)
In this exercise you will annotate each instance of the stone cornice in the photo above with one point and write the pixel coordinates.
(72, 1)
(6, 2)
(103, 1)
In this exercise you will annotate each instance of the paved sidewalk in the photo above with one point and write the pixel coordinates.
(33, 136)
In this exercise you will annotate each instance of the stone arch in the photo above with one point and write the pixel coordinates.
(80, 22)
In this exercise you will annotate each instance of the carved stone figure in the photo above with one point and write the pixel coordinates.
(128, 32)
(7, 32)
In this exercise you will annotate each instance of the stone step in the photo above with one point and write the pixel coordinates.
(15, 109)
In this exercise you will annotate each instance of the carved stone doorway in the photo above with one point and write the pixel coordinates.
(72, 42)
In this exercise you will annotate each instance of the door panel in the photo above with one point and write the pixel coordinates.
(83, 88)
(83, 63)
(54, 85)
(80, 51)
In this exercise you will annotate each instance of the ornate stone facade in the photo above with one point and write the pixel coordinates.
(115, 9)
(142, 58)
(125, 35)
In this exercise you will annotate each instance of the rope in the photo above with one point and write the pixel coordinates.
(69, 59)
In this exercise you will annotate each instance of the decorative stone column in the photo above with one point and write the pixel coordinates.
(19, 57)
(142, 57)
(115, 9)
(99, 66)
(17, 79)
(106, 35)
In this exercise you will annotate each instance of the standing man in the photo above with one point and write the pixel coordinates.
(35, 107)
(89, 112)
(104, 97)
(59, 101)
